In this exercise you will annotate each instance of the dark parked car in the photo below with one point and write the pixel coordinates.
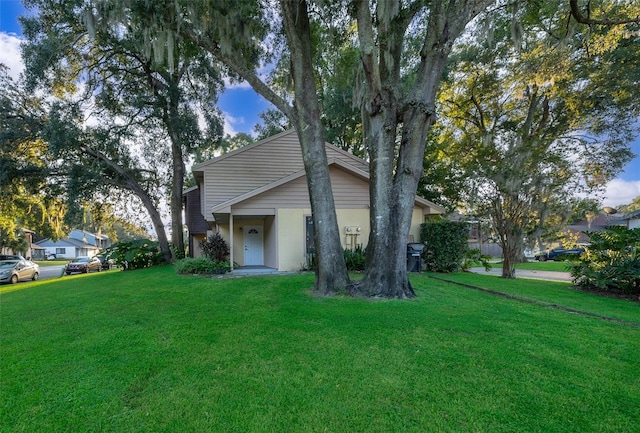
(106, 261)
(558, 254)
(84, 265)
(11, 257)
(12, 271)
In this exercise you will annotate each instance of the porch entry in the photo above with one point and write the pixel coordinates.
(253, 246)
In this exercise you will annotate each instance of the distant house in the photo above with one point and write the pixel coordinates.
(598, 223)
(34, 251)
(67, 248)
(97, 240)
(632, 220)
(256, 197)
(37, 252)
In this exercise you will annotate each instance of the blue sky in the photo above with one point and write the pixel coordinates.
(241, 106)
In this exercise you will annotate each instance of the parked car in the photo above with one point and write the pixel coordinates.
(106, 261)
(558, 254)
(11, 257)
(83, 265)
(12, 271)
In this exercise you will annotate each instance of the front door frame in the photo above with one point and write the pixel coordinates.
(253, 252)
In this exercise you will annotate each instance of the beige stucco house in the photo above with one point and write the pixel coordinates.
(256, 197)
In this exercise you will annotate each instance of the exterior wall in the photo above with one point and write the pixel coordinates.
(69, 251)
(270, 242)
(249, 168)
(194, 247)
(354, 219)
(416, 219)
(291, 246)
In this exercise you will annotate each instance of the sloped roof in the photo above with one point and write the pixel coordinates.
(225, 207)
(200, 166)
(66, 242)
(265, 165)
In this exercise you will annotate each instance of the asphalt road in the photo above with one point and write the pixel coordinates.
(47, 272)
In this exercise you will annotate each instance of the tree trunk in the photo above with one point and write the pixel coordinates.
(331, 272)
(130, 183)
(393, 185)
(156, 219)
(170, 117)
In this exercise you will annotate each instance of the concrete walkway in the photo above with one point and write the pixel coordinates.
(525, 273)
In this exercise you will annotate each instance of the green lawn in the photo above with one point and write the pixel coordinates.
(539, 266)
(150, 351)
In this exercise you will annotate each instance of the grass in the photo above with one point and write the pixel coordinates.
(538, 266)
(150, 351)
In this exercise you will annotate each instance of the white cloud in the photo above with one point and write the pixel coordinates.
(10, 54)
(231, 123)
(621, 192)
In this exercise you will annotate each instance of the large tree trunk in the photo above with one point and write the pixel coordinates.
(170, 117)
(331, 272)
(130, 183)
(393, 185)
(156, 219)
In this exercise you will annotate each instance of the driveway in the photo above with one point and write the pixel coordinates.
(525, 273)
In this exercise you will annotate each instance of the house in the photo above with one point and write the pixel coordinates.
(596, 223)
(68, 248)
(96, 239)
(256, 197)
(632, 220)
(34, 252)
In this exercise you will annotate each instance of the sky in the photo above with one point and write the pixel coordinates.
(241, 106)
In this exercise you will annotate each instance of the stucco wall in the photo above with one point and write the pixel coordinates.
(290, 226)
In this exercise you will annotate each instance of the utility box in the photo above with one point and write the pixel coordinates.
(414, 256)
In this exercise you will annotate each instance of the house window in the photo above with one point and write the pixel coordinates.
(61, 250)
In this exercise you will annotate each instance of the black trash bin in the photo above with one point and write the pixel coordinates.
(414, 253)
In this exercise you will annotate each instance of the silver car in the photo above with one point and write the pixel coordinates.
(12, 271)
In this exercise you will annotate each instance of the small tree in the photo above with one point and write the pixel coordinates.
(612, 261)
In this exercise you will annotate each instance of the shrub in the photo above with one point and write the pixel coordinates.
(354, 259)
(611, 262)
(446, 244)
(137, 254)
(197, 265)
(178, 253)
(215, 247)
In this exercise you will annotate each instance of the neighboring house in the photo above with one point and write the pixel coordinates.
(597, 223)
(68, 248)
(34, 252)
(256, 197)
(475, 241)
(97, 240)
(632, 220)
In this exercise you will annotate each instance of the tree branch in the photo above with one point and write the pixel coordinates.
(582, 19)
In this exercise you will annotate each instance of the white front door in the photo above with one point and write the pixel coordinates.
(253, 255)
